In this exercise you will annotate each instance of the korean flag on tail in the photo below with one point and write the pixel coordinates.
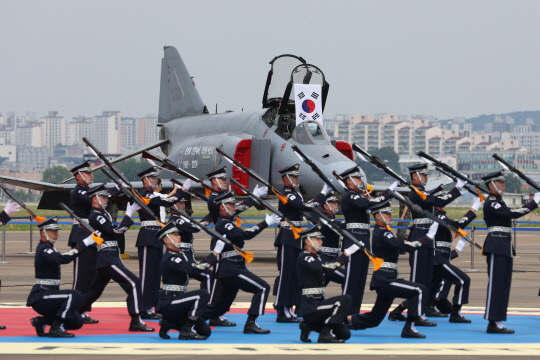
(307, 98)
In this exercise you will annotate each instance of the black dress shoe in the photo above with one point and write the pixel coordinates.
(58, 332)
(220, 321)
(458, 318)
(326, 337)
(163, 329)
(282, 318)
(411, 333)
(305, 329)
(421, 321)
(187, 333)
(252, 327)
(139, 326)
(152, 316)
(434, 312)
(2, 327)
(494, 329)
(396, 316)
(88, 320)
(39, 324)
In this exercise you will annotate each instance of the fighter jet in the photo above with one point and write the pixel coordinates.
(260, 140)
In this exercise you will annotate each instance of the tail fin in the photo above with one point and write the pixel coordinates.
(177, 95)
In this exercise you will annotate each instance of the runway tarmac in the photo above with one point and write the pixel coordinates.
(446, 340)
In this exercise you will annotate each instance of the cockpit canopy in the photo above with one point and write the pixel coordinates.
(278, 78)
(310, 133)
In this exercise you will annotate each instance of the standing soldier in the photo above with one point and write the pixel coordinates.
(331, 244)
(421, 259)
(109, 266)
(150, 249)
(232, 274)
(57, 307)
(326, 316)
(499, 250)
(385, 279)
(286, 288)
(443, 269)
(84, 266)
(355, 205)
(218, 180)
(180, 309)
(9, 209)
(186, 231)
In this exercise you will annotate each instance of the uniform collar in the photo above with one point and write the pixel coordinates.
(173, 250)
(496, 195)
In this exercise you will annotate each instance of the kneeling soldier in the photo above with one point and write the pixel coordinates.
(58, 307)
(385, 279)
(181, 310)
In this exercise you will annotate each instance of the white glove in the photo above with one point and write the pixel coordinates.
(433, 230)
(325, 189)
(393, 186)
(188, 183)
(460, 183)
(477, 203)
(131, 208)
(461, 244)
(331, 265)
(11, 207)
(201, 265)
(536, 198)
(260, 191)
(272, 219)
(412, 243)
(351, 249)
(218, 248)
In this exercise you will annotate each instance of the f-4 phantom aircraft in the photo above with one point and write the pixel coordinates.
(260, 140)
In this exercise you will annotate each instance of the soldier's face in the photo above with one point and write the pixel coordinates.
(181, 205)
(387, 216)
(501, 185)
(151, 181)
(291, 180)
(331, 206)
(315, 244)
(219, 183)
(354, 182)
(53, 235)
(85, 177)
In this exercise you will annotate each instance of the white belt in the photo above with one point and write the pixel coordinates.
(293, 223)
(313, 291)
(54, 282)
(186, 245)
(389, 265)
(422, 221)
(500, 229)
(330, 250)
(228, 254)
(76, 222)
(149, 223)
(108, 244)
(444, 244)
(357, 226)
(181, 288)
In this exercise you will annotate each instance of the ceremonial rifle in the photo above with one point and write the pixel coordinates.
(378, 163)
(12, 196)
(96, 235)
(416, 208)
(377, 262)
(116, 172)
(192, 193)
(254, 175)
(516, 171)
(248, 255)
(468, 187)
(296, 230)
(314, 167)
(168, 164)
(455, 173)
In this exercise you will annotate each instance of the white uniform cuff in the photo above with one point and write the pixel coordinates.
(219, 246)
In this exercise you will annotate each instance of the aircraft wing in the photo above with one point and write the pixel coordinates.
(35, 185)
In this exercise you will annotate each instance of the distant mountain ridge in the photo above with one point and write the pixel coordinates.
(518, 116)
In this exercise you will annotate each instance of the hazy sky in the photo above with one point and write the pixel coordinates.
(445, 58)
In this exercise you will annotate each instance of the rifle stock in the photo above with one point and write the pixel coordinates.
(518, 172)
(12, 196)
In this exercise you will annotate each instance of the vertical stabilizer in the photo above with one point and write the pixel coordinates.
(177, 94)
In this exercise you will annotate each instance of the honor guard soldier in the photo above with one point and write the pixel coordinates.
(355, 205)
(443, 269)
(57, 307)
(218, 180)
(150, 249)
(326, 316)
(232, 274)
(385, 280)
(181, 310)
(331, 242)
(286, 288)
(84, 266)
(9, 209)
(109, 266)
(185, 246)
(421, 260)
(499, 250)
